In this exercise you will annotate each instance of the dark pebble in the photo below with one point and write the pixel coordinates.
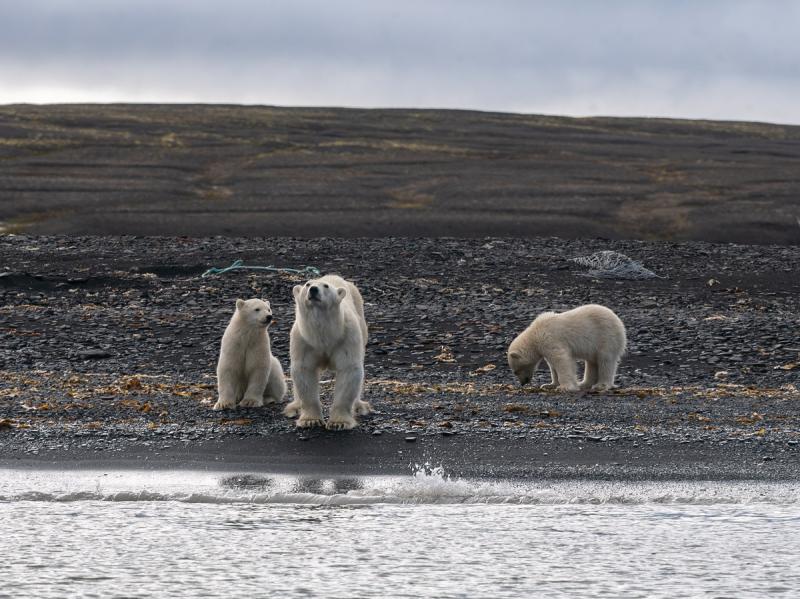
(95, 354)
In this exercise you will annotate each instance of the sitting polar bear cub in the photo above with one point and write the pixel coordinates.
(247, 370)
(329, 333)
(590, 333)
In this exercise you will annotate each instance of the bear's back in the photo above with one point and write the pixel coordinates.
(598, 321)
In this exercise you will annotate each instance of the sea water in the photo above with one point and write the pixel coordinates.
(192, 534)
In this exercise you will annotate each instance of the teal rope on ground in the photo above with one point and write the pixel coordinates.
(238, 265)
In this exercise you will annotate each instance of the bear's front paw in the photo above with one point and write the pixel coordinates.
(224, 404)
(309, 422)
(568, 388)
(547, 386)
(270, 400)
(602, 387)
(362, 407)
(292, 409)
(251, 402)
(341, 423)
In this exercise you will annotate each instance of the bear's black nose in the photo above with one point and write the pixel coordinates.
(313, 291)
(269, 317)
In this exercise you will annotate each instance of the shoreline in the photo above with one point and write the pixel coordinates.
(358, 453)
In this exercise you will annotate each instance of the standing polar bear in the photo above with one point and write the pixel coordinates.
(590, 333)
(247, 370)
(329, 333)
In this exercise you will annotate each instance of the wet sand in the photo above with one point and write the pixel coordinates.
(488, 456)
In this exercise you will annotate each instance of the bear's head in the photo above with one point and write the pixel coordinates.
(523, 364)
(254, 312)
(318, 294)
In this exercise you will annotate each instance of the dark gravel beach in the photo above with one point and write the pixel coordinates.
(110, 345)
(261, 171)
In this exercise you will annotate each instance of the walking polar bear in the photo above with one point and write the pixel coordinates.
(329, 333)
(590, 333)
(247, 371)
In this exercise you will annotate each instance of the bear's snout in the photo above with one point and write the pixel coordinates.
(313, 292)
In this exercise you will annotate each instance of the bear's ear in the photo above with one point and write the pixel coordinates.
(296, 290)
(340, 293)
(239, 304)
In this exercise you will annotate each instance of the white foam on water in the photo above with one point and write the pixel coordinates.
(426, 485)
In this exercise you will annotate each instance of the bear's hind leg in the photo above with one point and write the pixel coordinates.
(362, 408)
(346, 397)
(589, 375)
(306, 404)
(606, 372)
(275, 390)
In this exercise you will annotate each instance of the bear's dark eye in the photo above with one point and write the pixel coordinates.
(307, 284)
(326, 286)
(258, 309)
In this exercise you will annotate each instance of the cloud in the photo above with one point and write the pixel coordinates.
(733, 59)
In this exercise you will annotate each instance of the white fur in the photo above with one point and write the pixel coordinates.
(247, 371)
(329, 333)
(591, 333)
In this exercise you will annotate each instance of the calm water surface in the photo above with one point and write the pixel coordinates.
(134, 534)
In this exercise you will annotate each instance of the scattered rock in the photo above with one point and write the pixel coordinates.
(94, 354)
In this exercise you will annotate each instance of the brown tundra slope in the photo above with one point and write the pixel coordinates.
(203, 170)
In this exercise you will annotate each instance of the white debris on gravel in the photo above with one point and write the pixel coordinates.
(607, 264)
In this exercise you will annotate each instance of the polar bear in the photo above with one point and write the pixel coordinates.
(247, 370)
(329, 333)
(590, 333)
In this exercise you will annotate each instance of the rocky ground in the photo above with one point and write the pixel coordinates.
(204, 170)
(110, 344)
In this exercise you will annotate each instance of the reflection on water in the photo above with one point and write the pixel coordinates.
(246, 482)
(327, 486)
(301, 484)
(199, 534)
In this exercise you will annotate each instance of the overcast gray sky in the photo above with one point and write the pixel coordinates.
(722, 59)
